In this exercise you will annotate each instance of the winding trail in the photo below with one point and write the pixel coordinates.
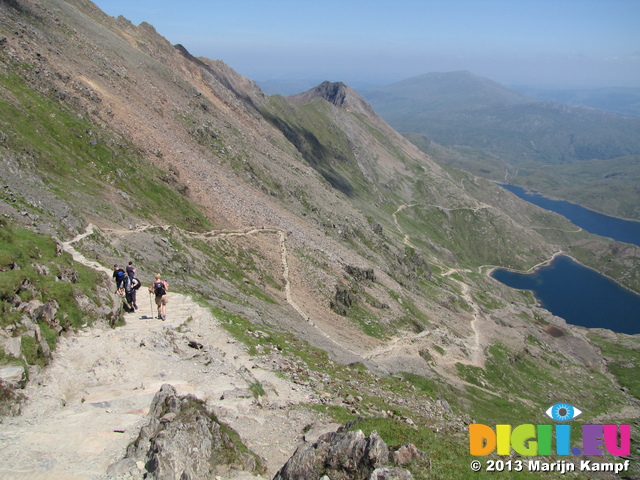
(79, 257)
(477, 356)
(282, 235)
(207, 236)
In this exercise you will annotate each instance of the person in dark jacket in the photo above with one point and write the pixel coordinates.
(131, 270)
(118, 276)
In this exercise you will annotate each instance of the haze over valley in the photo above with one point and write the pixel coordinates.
(330, 306)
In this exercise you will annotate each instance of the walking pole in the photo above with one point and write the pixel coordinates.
(151, 304)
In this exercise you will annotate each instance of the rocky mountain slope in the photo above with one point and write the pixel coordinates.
(338, 254)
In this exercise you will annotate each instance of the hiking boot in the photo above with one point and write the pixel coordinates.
(164, 317)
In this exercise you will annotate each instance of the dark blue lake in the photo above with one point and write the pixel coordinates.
(579, 295)
(627, 231)
(569, 290)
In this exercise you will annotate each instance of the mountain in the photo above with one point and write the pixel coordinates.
(461, 109)
(498, 131)
(322, 269)
(437, 92)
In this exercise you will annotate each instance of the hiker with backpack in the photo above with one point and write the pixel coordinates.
(127, 302)
(131, 270)
(132, 285)
(118, 276)
(160, 288)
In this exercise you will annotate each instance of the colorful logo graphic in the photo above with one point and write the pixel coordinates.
(531, 440)
(563, 412)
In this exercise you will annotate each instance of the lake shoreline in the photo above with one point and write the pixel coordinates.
(558, 199)
(546, 263)
(580, 298)
(607, 226)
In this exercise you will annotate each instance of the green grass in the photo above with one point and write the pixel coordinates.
(241, 266)
(474, 237)
(257, 389)
(623, 361)
(447, 453)
(32, 253)
(517, 378)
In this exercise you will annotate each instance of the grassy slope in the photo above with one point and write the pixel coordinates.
(31, 269)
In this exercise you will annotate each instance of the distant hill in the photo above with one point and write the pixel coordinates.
(459, 108)
(505, 135)
(284, 86)
(437, 92)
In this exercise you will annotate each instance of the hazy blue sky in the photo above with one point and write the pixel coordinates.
(535, 42)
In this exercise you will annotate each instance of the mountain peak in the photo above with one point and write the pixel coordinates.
(340, 95)
(336, 93)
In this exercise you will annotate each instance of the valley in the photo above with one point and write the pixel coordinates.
(323, 270)
(579, 154)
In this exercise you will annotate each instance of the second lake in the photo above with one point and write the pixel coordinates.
(579, 295)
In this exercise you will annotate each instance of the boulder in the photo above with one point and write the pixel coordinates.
(13, 347)
(47, 312)
(390, 473)
(184, 440)
(12, 374)
(341, 456)
(316, 431)
(31, 308)
(406, 454)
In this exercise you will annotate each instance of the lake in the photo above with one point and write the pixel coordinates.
(572, 291)
(627, 231)
(579, 295)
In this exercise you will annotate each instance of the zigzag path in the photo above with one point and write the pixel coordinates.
(477, 354)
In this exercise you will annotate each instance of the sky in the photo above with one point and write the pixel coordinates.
(545, 43)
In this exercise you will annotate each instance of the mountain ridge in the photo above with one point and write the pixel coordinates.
(189, 170)
(449, 108)
(448, 90)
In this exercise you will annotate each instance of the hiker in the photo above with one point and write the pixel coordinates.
(127, 302)
(118, 275)
(160, 288)
(131, 286)
(131, 270)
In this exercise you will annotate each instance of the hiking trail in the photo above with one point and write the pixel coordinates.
(477, 354)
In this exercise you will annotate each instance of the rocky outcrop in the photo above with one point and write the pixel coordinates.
(183, 441)
(342, 456)
(340, 95)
